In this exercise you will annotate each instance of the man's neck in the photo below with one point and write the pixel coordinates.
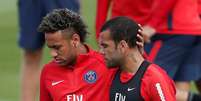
(82, 49)
(132, 62)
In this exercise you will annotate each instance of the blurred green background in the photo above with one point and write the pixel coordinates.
(10, 53)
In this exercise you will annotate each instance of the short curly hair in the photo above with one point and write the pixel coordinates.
(61, 19)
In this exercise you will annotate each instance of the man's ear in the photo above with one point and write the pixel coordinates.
(123, 46)
(75, 40)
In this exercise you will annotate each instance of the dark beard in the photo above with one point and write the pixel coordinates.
(113, 64)
(70, 63)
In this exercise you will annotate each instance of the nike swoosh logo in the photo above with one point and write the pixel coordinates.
(129, 89)
(57, 82)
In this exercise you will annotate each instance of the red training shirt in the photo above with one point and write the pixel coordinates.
(166, 16)
(155, 85)
(85, 81)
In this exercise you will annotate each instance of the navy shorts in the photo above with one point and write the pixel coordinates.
(31, 13)
(178, 55)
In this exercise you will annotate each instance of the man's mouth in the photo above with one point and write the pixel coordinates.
(59, 61)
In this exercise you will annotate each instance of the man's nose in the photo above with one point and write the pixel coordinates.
(53, 53)
(101, 51)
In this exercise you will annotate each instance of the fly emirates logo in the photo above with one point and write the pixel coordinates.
(74, 97)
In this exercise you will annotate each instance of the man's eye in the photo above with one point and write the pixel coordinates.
(104, 46)
(56, 47)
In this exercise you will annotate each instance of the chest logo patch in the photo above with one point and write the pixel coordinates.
(90, 76)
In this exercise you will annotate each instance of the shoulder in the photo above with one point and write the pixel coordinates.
(96, 59)
(155, 76)
(156, 84)
(48, 67)
(94, 55)
(155, 72)
(98, 56)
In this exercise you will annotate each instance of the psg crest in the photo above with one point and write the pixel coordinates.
(90, 77)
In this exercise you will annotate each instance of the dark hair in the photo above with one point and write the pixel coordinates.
(122, 28)
(61, 19)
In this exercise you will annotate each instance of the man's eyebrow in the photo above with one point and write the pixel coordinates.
(51, 46)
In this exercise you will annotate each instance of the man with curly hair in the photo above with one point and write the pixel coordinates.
(76, 73)
(31, 42)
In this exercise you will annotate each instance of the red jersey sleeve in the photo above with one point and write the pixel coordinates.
(199, 7)
(101, 14)
(44, 94)
(160, 10)
(157, 86)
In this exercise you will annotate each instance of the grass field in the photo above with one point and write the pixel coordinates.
(10, 54)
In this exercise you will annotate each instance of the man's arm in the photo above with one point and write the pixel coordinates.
(160, 10)
(162, 91)
(157, 86)
(44, 94)
(101, 14)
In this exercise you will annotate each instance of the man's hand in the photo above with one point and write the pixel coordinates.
(140, 41)
(148, 32)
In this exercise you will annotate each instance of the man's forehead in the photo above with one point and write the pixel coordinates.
(54, 35)
(105, 35)
(105, 40)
